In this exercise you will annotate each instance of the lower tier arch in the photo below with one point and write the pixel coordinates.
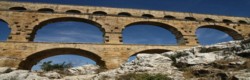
(33, 59)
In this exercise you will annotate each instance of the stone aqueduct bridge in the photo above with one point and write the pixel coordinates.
(24, 19)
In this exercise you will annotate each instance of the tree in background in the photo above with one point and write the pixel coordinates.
(48, 66)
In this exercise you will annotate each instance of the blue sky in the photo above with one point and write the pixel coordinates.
(138, 34)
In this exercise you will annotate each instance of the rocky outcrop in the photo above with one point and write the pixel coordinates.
(21, 75)
(5, 70)
(241, 75)
(84, 70)
(213, 62)
(223, 61)
(52, 75)
(145, 63)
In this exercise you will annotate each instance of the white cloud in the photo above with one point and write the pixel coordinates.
(54, 39)
(222, 37)
(70, 36)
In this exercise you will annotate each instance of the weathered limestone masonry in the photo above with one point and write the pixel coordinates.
(25, 19)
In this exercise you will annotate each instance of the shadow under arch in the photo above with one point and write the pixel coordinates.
(178, 35)
(33, 59)
(234, 34)
(150, 51)
(63, 19)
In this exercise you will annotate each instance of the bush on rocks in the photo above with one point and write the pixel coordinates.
(48, 66)
(143, 76)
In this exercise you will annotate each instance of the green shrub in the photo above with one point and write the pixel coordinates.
(48, 66)
(143, 76)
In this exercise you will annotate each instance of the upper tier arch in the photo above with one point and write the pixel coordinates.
(17, 8)
(231, 32)
(3, 20)
(62, 19)
(46, 10)
(178, 35)
(4, 30)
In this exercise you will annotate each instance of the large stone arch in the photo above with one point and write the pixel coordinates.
(4, 20)
(9, 28)
(62, 19)
(231, 32)
(34, 58)
(178, 35)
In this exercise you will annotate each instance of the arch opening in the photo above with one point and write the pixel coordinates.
(68, 30)
(46, 10)
(242, 22)
(71, 60)
(73, 12)
(151, 33)
(212, 34)
(100, 13)
(147, 16)
(4, 30)
(209, 20)
(169, 17)
(126, 14)
(149, 51)
(35, 58)
(227, 21)
(18, 8)
(190, 18)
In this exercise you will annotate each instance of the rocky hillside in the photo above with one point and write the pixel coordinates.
(223, 61)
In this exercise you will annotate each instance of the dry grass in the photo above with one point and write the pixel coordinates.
(188, 74)
(205, 74)
(215, 71)
(246, 65)
(226, 64)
